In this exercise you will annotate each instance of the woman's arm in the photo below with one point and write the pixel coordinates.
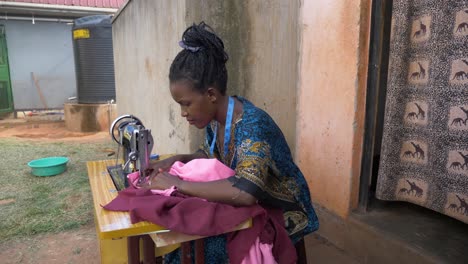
(188, 157)
(220, 191)
(165, 164)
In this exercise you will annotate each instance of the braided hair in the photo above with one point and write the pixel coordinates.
(202, 60)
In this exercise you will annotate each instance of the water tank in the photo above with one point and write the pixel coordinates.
(94, 59)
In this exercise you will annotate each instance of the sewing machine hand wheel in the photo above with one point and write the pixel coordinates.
(122, 121)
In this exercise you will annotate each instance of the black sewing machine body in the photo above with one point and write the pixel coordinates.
(137, 143)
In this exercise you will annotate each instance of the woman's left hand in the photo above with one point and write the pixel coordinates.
(162, 181)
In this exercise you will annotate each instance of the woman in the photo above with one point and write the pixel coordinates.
(240, 135)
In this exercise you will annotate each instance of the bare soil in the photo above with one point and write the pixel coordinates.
(77, 246)
(48, 131)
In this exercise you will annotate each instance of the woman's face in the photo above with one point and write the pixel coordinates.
(197, 108)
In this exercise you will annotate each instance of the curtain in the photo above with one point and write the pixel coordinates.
(424, 158)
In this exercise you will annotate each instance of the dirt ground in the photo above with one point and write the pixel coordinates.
(47, 131)
(77, 246)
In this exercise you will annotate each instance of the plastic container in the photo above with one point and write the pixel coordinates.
(94, 59)
(48, 166)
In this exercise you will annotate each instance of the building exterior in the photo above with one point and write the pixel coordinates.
(37, 68)
(307, 64)
(313, 89)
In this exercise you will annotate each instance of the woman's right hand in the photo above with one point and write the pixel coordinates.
(165, 164)
(162, 165)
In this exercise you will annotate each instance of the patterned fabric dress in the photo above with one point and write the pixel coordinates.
(264, 167)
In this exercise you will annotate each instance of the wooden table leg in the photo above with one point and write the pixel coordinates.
(148, 250)
(199, 251)
(185, 249)
(159, 260)
(301, 252)
(133, 249)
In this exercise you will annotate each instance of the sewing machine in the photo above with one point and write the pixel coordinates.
(137, 143)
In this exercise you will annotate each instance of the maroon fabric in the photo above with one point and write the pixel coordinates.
(194, 216)
(283, 249)
(270, 229)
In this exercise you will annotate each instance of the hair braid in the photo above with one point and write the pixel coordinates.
(203, 59)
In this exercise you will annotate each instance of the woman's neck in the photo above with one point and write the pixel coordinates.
(223, 107)
(222, 110)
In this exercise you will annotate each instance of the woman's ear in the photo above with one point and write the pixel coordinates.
(212, 94)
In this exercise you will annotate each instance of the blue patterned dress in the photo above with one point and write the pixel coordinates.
(264, 167)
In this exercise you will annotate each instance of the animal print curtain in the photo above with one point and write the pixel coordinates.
(424, 158)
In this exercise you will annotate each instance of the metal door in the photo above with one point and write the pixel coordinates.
(6, 97)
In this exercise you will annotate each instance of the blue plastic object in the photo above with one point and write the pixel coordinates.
(48, 166)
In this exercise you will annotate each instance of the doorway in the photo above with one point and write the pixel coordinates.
(6, 98)
(416, 226)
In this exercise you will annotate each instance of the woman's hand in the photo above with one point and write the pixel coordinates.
(165, 164)
(162, 181)
(162, 165)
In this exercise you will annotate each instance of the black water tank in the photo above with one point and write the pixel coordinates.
(94, 59)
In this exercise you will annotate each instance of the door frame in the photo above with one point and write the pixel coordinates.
(381, 20)
(9, 92)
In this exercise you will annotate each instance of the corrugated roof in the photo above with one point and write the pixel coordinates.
(88, 3)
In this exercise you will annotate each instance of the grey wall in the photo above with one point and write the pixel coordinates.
(261, 38)
(145, 37)
(262, 41)
(44, 48)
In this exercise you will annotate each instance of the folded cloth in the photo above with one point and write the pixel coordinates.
(190, 215)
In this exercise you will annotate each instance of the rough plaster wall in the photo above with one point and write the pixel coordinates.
(330, 99)
(271, 62)
(224, 18)
(145, 38)
(261, 38)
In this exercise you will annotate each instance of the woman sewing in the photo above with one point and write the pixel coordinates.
(238, 134)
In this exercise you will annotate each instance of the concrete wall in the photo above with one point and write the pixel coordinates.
(333, 66)
(44, 48)
(261, 38)
(89, 117)
(145, 37)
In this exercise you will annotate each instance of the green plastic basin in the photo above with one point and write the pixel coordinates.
(48, 166)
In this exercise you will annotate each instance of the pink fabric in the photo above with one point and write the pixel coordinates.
(201, 170)
(197, 170)
(260, 253)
